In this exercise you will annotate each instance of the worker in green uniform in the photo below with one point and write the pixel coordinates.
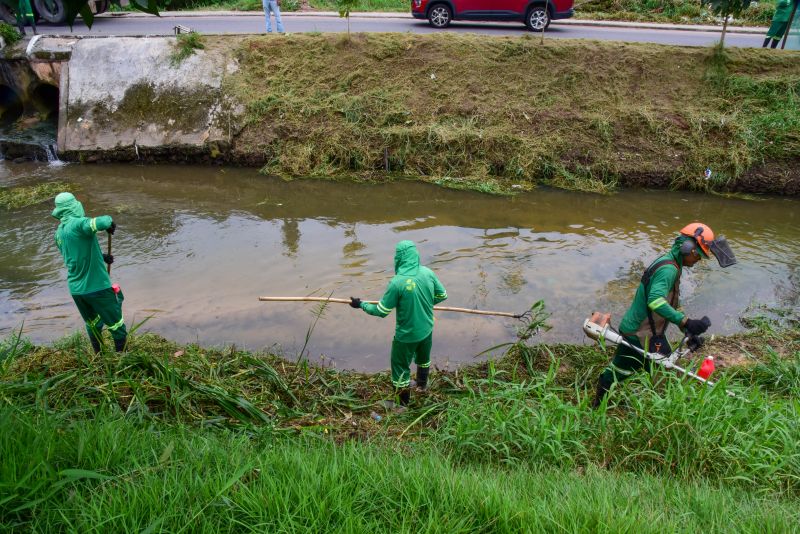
(25, 14)
(780, 21)
(414, 291)
(655, 305)
(98, 303)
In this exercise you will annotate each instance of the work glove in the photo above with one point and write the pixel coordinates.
(696, 327)
(694, 343)
(108, 258)
(111, 229)
(355, 302)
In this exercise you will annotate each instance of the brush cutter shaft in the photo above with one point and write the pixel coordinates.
(347, 301)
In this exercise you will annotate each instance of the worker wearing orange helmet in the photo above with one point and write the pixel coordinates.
(655, 305)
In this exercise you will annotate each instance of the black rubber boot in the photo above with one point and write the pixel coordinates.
(766, 42)
(602, 390)
(775, 43)
(404, 395)
(96, 347)
(119, 344)
(422, 378)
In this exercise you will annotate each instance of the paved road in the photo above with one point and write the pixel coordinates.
(254, 23)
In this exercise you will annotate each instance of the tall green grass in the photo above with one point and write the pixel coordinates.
(529, 408)
(112, 475)
(672, 429)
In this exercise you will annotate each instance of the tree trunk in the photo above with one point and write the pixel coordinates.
(724, 30)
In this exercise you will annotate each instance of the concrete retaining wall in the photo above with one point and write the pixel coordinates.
(122, 95)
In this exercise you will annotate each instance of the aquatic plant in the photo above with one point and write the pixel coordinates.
(21, 196)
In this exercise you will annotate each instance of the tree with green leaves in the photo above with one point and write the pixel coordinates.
(726, 9)
(345, 7)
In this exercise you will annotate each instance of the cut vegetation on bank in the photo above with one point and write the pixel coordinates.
(492, 113)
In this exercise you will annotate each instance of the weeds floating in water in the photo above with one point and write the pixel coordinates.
(16, 197)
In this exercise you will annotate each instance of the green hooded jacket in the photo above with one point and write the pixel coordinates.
(783, 10)
(663, 283)
(75, 238)
(414, 291)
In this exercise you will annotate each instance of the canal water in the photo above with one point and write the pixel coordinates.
(196, 247)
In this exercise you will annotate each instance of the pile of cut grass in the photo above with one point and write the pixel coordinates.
(498, 112)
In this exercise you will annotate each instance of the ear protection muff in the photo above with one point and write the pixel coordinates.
(688, 246)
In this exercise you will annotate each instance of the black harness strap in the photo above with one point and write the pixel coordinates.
(648, 274)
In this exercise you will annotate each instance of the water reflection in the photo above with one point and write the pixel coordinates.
(197, 246)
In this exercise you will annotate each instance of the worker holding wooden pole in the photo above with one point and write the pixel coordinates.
(413, 291)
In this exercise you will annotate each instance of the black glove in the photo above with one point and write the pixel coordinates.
(111, 229)
(108, 258)
(355, 302)
(697, 326)
(694, 343)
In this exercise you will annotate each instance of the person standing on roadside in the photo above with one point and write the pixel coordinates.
(273, 6)
(25, 15)
(780, 21)
(89, 284)
(414, 291)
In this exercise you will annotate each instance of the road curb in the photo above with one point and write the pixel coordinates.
(396, 15)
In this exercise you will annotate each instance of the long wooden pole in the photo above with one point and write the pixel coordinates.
(789, 24)
(347, 301)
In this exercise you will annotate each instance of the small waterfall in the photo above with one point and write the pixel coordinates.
(52, 155)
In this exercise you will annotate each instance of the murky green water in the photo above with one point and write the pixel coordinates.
(197, 246)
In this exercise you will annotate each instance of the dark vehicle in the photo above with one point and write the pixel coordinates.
(52, 11)
(535, 14)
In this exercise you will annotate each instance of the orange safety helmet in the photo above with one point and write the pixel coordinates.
(704, 237)
(701, 233)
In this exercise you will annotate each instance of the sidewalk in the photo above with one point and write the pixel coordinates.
(395, 15)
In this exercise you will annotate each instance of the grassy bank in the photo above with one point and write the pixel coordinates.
(493, 113)
(65, 475)
(221, 439)
(670, 11)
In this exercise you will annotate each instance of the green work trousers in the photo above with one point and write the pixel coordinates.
(626, 362)
(102, 308)
(403, 354)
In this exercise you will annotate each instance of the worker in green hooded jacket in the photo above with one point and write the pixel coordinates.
(780, 22)
(25, 16)
(655, 305)
(98, 303)
(414, 291)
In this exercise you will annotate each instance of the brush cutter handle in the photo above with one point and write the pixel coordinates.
(109, 252)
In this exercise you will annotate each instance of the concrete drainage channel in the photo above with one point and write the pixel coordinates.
(30, 100)
(92, 99)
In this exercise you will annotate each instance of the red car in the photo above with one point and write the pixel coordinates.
(535, 14)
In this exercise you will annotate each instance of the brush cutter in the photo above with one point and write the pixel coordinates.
(604, 333)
